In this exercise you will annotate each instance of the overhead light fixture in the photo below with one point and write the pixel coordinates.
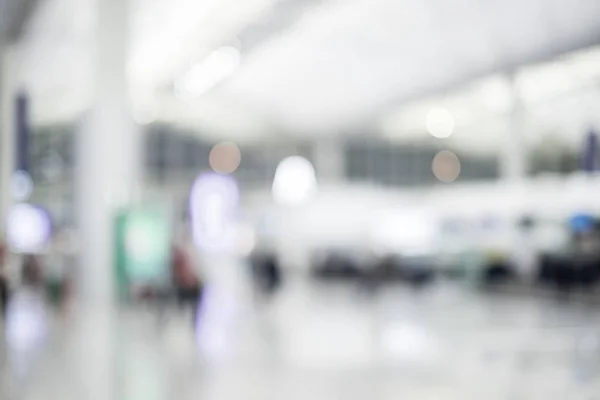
(204, 76)
(28, 228)
(295, 181)
(440, 122)
(495, 94)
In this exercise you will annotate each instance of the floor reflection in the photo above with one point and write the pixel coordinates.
(320, 342)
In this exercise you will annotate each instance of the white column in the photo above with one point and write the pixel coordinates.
(8, 57)
(108, 153)
(329, 157)
(513, 160)
(108, 168)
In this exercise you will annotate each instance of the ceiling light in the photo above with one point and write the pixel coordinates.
(28, 228)
(204, 76)
(295, 181)
(495, 94)
(440, 122)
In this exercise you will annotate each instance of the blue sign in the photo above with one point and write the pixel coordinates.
(581, 223)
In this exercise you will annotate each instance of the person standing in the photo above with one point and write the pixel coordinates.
(187, 284)
(4, 285)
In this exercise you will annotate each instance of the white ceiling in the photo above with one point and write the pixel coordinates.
(335, 66)
(168, 36)
(560, 98)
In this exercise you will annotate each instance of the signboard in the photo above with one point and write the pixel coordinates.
(143, 248)
(581, 223)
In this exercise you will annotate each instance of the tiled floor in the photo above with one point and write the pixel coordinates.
(322, 342)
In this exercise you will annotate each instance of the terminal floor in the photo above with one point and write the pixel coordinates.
(315, 341)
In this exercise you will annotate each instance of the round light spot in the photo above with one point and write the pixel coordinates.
(28, 228)
(446, 166)
(225, 158)
(295, 181)
(440, 122)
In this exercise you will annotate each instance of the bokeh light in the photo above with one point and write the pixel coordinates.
(26, 325)
(225, 158)
(440, 122)
(295, 181)
(446, 166)
(28, 228)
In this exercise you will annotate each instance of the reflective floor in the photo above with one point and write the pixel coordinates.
(318, 342)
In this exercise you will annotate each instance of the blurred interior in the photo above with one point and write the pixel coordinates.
(299, 199)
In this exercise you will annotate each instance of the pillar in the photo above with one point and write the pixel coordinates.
(513, 159)
(108, 154)
(107, 178)
(8, 53)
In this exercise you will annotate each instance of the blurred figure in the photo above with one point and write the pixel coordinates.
(585, 259)
(578, 268)
(375, 275)
(266, 273)
(525, 255)
(32, 277)
(188, 287)
(4, 285)
(272, 275)
(56, 273)
(498, 269)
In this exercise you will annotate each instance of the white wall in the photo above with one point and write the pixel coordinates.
(344, 216)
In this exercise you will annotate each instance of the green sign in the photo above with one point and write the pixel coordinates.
(143, 248)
